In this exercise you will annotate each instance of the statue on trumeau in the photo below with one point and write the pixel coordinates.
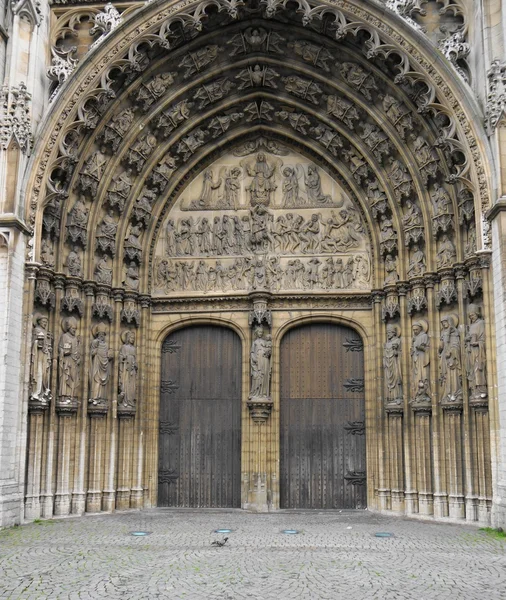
(260, 361)
(41, 358)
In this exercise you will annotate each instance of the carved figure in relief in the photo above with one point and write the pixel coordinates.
(310, 235)
(128, 370)
(413, 215)
(132, 277)
(348, 272)
(106, 234)
(117, 127)
(257, 76)
(311, 53)
(194, 62)
(189, 144)
(359, 78)
(209, 187)
(416, 265)
(255, 39)
(134, 235)
(170, 238)
(328, 138)
(103, 273)
(470, 247)
(441, 201)
(204, 236)
(450, 364)
(93, 171)
(213, 91)
(231, 188)
(73, 263)
(69, 362)
(260, 361)
(420, 362)
(119, 190)
(298, 121)
(77, 223)
(41, 359)
(47, 252)
(306, 89)
(149, 93)
(290, 187)
(391, 275)
(476, 363)
(263, 184)
(100, 367)
(392, 365)
(342, 109)
(398, 173)
(446, 253)
(260, 235)
(313, 276)
(398, 115)
(313, 184)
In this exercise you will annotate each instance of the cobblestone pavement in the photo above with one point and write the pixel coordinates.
(335, 555)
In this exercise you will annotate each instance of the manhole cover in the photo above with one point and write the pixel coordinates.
(222, 531)
(384, 534)
(290, 531)
(140, 533)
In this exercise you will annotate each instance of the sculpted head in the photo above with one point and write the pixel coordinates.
(474, 312)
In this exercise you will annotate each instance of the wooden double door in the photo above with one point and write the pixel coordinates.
(199, 463)
(322, 429)
(322, 420)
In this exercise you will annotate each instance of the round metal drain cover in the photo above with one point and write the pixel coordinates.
(140, 533)
(384, 534)
(222, 531)
(290, 531)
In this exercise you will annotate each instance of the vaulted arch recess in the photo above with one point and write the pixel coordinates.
(259, 159)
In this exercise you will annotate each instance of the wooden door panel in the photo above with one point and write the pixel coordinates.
(322, 418)
(200, 418)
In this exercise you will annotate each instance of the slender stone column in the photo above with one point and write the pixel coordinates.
(66, 432)
(482, 445)
(125, 459)
(423, 460)
(453, 440)
(96, 455)
(395, 457)
(34, 466)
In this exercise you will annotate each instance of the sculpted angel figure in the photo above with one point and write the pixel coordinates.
(41, 357)
(103, 272)
(260, 362)
(313, 184)
(290, 187)
(209, 187)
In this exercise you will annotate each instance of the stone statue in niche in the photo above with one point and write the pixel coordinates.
(47, 252)
(69, 362)
(446, 253)
(420, 362)
(476, 362)
(213, 91)
(298, 121)
(413, 215)
(392, 365)
(73, 263)
(342, 109)
(100, 367)
(450, 362)
(132, 246)
(132, 277)
(140, 151)
(77, 223)
(221, 123)
(118, 192)
(103, 272)
(441, 201)
(359, 79)
(260, 361)
(190, 143)
(106, 234)
(209, 189)
(257, 76)
(416, 265)
(162, 173)
(318, 56)
(470, 247)
(328, 138)
(376, 140)
(400, 179)
(398, 114)
(128, 369)
(171, 118)
(41, 359)
(93, 171)
(426, 158)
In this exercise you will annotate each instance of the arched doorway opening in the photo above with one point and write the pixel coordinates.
(199, 461)
(322, 427)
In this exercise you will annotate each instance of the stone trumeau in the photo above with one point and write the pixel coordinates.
(170, 169)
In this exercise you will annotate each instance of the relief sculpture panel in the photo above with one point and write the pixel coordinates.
(262, 219)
